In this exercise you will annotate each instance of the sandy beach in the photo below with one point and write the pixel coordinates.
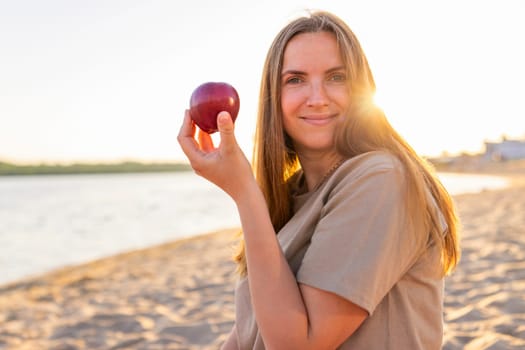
(180, 295)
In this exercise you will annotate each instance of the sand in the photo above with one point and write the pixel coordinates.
(180, 295)
(173, 296)
(485, 296)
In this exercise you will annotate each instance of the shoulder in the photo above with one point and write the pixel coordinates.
(376, 164)
(373, 175)
(375, 160)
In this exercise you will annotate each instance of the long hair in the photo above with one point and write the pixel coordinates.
(365, 129)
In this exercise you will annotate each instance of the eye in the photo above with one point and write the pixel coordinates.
(294, 80)
(338, 77)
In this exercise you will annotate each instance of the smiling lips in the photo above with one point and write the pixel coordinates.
(318, 119)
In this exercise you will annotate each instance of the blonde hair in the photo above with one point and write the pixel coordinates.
(365, 129)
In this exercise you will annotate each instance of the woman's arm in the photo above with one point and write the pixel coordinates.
(288, 315)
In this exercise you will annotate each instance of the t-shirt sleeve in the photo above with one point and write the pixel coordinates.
(361, 246)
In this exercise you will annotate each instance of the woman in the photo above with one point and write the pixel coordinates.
(347, 233)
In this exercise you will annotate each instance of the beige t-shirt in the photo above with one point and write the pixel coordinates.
(351, 237)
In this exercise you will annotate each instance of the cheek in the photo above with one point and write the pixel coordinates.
(287, 121)
(285, 106)
(287, 113)
(291, 101)
(341, 97)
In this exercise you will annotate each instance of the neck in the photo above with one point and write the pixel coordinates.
(317, 169)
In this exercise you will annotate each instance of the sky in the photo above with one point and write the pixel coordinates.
(106, 80)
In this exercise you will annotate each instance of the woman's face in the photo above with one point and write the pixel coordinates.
(314, 92)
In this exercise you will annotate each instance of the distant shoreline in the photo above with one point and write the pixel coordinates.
(9, 169)
(478, 164)
(474, 164)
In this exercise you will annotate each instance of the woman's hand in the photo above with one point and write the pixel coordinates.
(226, 165)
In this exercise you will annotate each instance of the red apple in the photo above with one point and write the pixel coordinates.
(208, 99)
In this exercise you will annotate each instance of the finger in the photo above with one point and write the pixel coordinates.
(226, 130)
(186, 138)
(205, 141)
(188, 126)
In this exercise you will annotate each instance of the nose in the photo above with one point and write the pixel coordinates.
(318, 95)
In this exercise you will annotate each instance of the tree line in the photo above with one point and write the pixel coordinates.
(89, 168)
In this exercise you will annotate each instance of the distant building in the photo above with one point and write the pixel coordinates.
(505, 150)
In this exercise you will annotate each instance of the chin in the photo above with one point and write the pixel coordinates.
(319, 145)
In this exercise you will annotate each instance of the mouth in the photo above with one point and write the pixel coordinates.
(318, 119)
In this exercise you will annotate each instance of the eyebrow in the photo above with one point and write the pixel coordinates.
(298, 72)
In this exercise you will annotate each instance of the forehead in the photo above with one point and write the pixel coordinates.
(318, 48)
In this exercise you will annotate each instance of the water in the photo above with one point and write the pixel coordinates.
(52, 221)
(471, 183)
(48, 222)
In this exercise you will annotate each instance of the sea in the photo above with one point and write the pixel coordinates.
(52, 221)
